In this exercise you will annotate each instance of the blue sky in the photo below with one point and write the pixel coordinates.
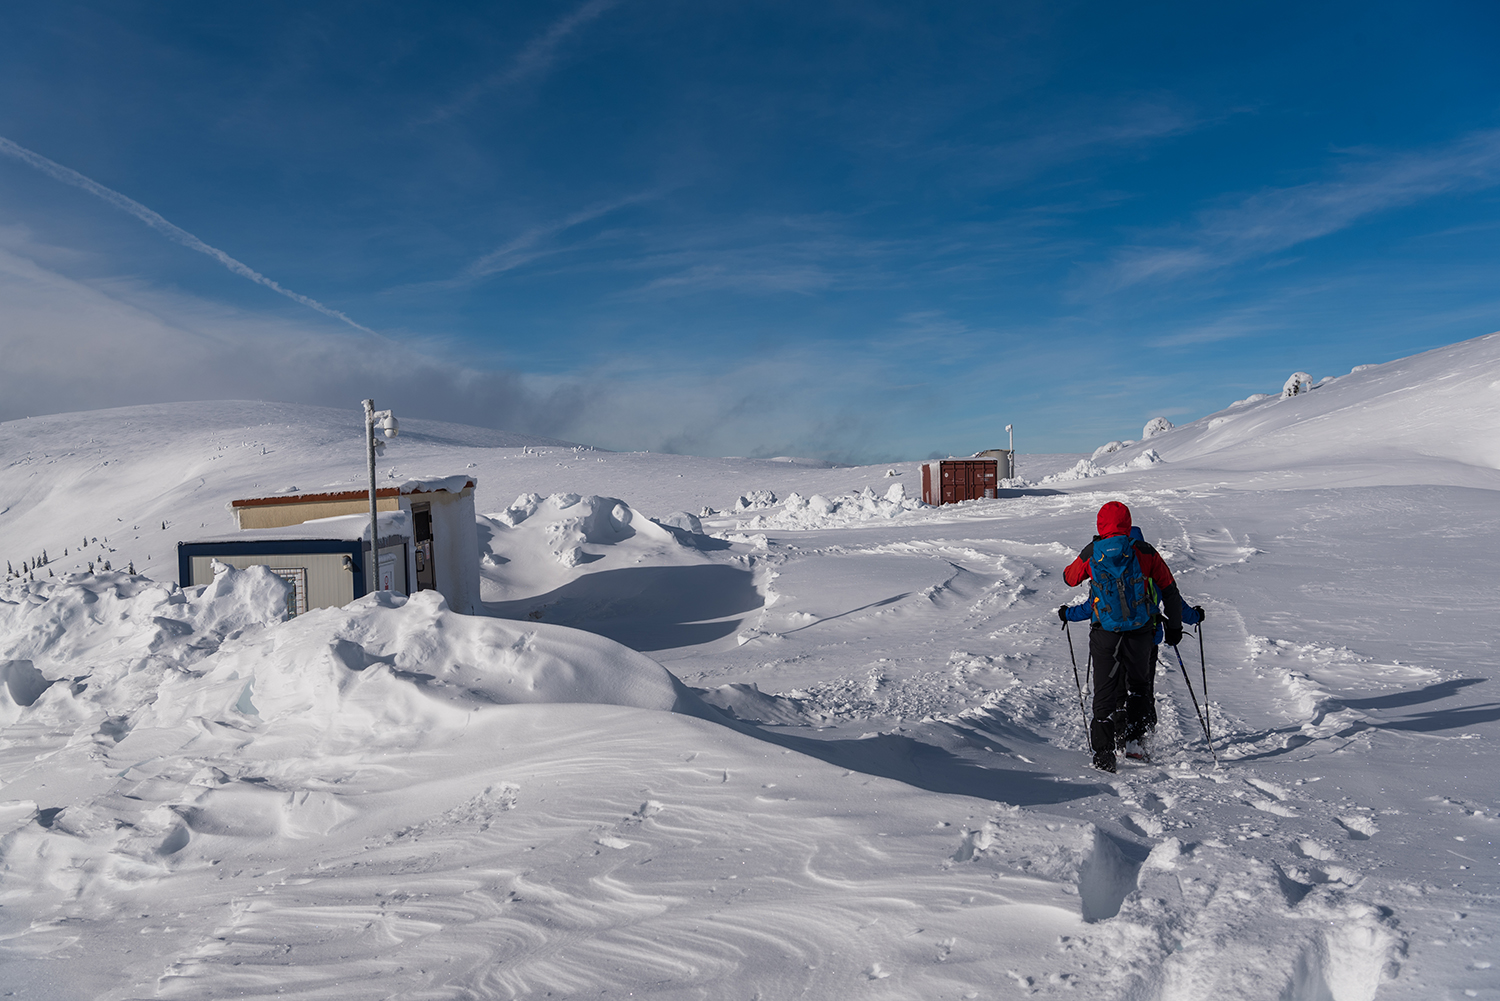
(864, 231)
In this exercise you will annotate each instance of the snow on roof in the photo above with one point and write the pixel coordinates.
(422, 485)
(347, 527)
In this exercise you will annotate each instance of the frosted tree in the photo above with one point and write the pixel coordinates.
(1156, 426)
(1296, 383)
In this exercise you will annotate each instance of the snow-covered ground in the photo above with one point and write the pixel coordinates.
(742, 728)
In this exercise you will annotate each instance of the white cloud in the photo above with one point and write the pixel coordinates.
(69, 345)
(1278, 218)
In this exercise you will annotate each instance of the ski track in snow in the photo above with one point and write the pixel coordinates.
(873, 785)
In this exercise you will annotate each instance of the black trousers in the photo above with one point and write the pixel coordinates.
(1124, 686)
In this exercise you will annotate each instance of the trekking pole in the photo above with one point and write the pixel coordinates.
(1203, 666)
(1196, 710)
(1074, 658)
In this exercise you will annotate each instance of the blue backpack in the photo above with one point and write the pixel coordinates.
(1121, 601)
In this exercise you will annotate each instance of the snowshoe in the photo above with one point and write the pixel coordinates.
(1136, 750)
(1105, 763)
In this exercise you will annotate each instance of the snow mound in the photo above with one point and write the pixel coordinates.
(682, 521)
(1296, 384)
(134, 651)
(381, 661)
(1110, 446)
(1156, 426)
(111, 636)
(756, 500)
(569, 523)
(1084, 469)
(1144, 460)
(800, 513)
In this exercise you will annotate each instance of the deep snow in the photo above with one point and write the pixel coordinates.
(829, 747)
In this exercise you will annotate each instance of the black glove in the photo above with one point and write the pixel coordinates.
(1174, 633)
(1062, 614)
(1201, 613)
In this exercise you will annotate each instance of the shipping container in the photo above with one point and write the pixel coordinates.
(949, 481)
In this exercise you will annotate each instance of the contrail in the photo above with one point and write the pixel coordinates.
(69, 176)
(533, 60)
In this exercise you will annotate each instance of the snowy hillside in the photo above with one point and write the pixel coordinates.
(1425, 419)
(734, 728)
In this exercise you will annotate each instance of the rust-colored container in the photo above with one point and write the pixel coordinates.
(954, 480)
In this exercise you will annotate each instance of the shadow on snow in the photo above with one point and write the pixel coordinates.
(646, 608)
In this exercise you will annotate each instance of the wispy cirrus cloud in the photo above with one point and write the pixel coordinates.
(534, 59)
(533, 244)
(1279, 218)
(69, 176)
(538, 241)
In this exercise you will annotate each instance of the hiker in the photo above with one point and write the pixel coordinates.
(1123, 616)
(1144, 696)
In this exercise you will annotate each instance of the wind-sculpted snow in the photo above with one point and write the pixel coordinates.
(798, 513)
(876, 782)
(391, 791)
(101, 643)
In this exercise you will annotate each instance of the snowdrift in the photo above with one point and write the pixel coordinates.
(146, 654)
(596, 563)
(200, 799)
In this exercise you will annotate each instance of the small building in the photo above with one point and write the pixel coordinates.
(949, 481)
(1005, 457)
(320, 542)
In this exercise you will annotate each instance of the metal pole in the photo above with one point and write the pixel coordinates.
(1083, 713)
(1201, 721)
(372, 569)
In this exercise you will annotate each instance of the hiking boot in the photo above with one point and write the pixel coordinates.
(1105, 763)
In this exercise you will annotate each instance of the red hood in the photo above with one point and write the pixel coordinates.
(1114, 519)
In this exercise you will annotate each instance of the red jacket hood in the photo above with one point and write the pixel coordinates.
(1114, 519)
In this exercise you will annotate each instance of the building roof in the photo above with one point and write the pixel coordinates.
(345, 527)
(424, 485)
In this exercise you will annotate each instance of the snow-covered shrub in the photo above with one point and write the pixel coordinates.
(755, 500)
(1156, 426)
(1145, 460)
(1108, 447)
(841, 510)
(1084, 470)
(1296, 383)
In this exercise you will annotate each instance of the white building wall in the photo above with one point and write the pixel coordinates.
(455, 540)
